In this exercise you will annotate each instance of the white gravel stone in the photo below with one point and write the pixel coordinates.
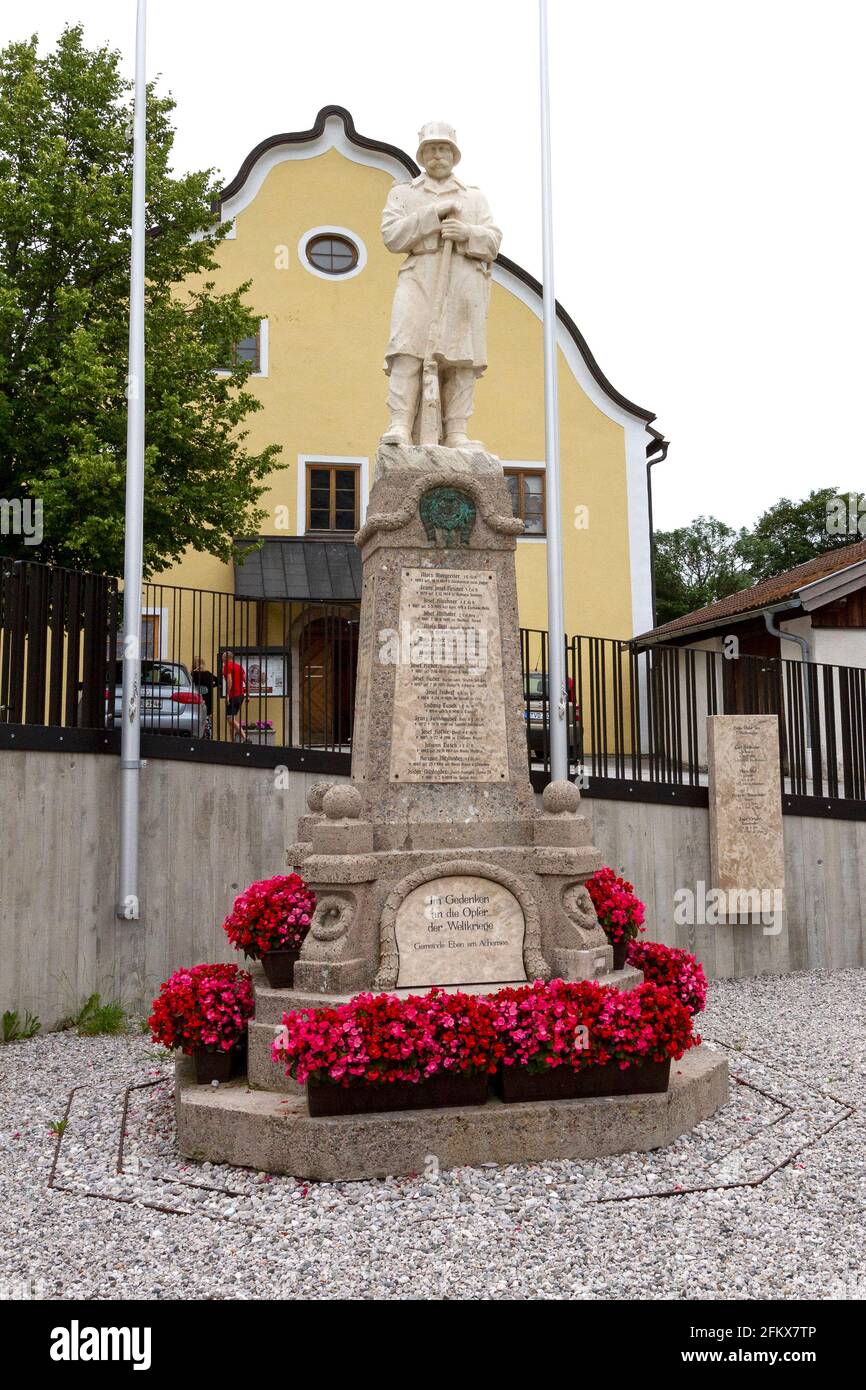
(765, 1200)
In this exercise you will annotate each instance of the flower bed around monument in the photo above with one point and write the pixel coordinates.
(668, 965)
(566, 1039)
(391, 1053)
(269, 920)
(541, 1041)
(203, 1011)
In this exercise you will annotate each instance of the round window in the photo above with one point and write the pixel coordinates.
(332, 254)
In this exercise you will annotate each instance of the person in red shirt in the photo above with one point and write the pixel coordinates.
(235, 679)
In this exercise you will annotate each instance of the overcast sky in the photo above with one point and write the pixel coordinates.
(708, 186)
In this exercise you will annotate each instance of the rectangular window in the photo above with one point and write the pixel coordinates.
(150, 635)
(526, 486)
(247, 350)
(332, 497)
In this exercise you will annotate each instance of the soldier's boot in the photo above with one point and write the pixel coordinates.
(399, 431)
(455, 433)
(404, 391)
(458, 385)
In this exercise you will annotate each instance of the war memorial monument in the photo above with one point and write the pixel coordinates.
(436, 864)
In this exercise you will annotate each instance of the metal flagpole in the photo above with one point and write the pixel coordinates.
(130, 738)
(555, 616)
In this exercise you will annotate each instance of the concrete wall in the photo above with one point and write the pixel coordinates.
(665, 848)
(209, 830)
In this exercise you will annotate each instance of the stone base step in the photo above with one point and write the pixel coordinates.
(262, 1073)
(275, 1133)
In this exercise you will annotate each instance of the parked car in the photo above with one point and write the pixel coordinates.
(537, 708)
(170, 703)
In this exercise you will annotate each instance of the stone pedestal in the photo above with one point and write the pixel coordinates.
(435, 866)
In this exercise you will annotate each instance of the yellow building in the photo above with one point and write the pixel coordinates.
(304, 211)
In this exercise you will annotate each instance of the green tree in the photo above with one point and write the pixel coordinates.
(789, 533)
(65, 210)
(696, 565)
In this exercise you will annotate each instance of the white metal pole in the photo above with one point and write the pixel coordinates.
(555, 614)
(128, 905)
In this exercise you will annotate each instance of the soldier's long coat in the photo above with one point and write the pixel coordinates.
(410, 223)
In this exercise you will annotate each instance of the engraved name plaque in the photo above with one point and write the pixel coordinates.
(449, 706)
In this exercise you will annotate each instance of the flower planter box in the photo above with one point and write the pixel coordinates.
(204, 1010)
(261, 736)
(279, 967)
(620, 954)
(216, 1066)
(561, 1083)
(360, 1098)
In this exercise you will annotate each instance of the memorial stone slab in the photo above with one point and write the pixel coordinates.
(747, 854)
(459, 929)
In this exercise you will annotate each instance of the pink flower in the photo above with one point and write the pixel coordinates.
(206, 1006)
(619, 911)
(678, 970)
(273, 914)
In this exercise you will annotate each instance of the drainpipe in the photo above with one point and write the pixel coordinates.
(772, 627)
(657, 452)
(805, 647)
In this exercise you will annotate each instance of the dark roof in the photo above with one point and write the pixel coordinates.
(767, 591)
(364, 142)
(294, 567)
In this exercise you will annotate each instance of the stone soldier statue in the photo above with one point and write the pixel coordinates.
(438, 324)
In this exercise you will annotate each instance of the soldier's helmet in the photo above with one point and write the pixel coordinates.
(440, 132)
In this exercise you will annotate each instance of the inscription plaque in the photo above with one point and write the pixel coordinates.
(747, 856)
(449, 703)
(460, 929)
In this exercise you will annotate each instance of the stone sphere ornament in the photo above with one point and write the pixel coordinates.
(560, 798)
(316, 795)
(342, 803)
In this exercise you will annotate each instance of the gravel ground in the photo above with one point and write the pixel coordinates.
(778, 1212)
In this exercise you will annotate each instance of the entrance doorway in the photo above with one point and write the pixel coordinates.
(327, 658)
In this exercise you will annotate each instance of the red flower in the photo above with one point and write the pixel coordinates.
(271, 915)
(678, 970)
(382, 1039)
(581, 1023)
(620, 912)
(206, 1006)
